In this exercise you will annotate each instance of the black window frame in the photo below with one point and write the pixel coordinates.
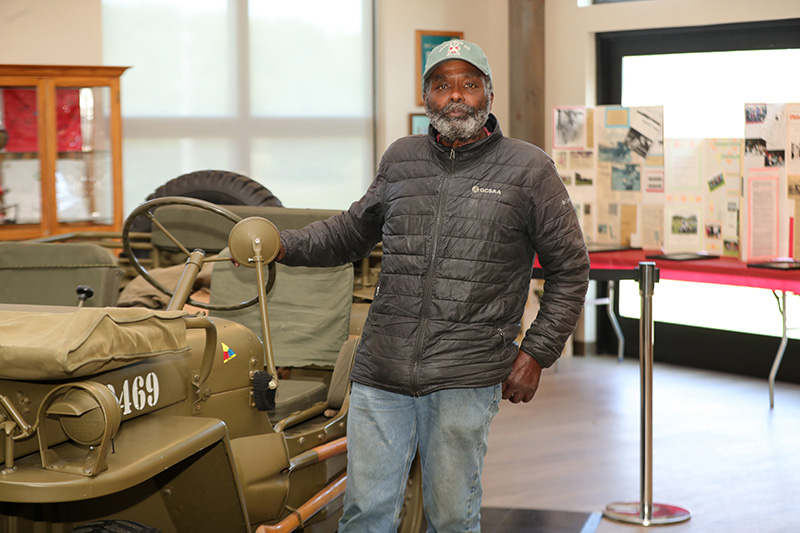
(611, 47)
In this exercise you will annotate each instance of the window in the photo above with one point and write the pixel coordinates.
(703, 76)
(703, 93)
(613, 47)
(278, 91)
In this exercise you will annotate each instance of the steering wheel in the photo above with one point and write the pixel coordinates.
(148, 209)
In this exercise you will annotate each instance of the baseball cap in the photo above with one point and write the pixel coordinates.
(457, 49)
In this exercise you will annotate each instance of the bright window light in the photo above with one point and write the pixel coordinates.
(709, 306)
(703, 95)
(179, 53)
(310, 58)
(278, 91)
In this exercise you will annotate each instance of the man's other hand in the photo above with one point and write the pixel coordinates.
(521, 384)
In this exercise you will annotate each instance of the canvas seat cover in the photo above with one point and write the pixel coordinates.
(48, 273)
(52, 346)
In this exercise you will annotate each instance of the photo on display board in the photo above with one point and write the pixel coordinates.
(569, 128)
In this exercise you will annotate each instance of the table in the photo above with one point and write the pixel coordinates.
(721, 270)
(615, 265)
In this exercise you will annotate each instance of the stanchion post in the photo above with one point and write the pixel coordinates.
(645, 512)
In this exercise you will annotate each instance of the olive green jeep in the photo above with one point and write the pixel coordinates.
(225, 416)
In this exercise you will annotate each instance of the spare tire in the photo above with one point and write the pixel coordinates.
(218, 187)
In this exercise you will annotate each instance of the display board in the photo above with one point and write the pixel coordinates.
(737, 197)
(701, 202)
(611, 159)
(771, 182)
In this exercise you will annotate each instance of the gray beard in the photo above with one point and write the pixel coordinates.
(458, 129)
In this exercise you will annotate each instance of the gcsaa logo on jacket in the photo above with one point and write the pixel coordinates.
(485, 190)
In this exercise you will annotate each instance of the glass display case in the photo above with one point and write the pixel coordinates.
(60, 150)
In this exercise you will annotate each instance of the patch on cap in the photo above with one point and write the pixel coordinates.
(454, 48)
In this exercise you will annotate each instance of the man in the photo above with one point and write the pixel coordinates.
(461, 213)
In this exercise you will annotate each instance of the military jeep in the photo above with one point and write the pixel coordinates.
(176, 420)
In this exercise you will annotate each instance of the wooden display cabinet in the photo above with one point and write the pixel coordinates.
(60, 150)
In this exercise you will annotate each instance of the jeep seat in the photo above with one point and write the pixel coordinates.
(49, 273)
(309, 308)
(309, 316)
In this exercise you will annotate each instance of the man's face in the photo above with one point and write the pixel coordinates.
(457, 102)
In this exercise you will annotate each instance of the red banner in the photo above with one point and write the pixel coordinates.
(20, 113)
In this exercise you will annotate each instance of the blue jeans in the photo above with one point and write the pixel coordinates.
(383, 432)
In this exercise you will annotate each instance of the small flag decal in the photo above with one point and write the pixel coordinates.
(227, 353)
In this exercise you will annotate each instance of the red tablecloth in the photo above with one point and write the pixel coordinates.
(722, 270)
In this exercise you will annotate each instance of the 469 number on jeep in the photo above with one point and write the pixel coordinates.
(137, 394)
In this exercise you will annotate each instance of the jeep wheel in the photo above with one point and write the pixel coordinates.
(115, 526)
(216, 186)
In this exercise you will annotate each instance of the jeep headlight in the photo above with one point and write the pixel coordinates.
(83, 414)
(89, 415)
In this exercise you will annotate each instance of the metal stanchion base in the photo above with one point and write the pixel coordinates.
(631, 512)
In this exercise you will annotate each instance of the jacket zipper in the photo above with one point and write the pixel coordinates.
(502, 335)
(429, 278)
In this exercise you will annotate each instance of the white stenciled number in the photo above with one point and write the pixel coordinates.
(151, 385)
(138, 394)
(125, 398)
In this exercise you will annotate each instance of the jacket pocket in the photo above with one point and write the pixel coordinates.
(503, 336)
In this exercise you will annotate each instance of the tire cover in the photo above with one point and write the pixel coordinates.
(216, 186)
(219, 187)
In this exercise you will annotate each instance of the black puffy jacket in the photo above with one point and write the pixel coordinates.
(460, 229)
